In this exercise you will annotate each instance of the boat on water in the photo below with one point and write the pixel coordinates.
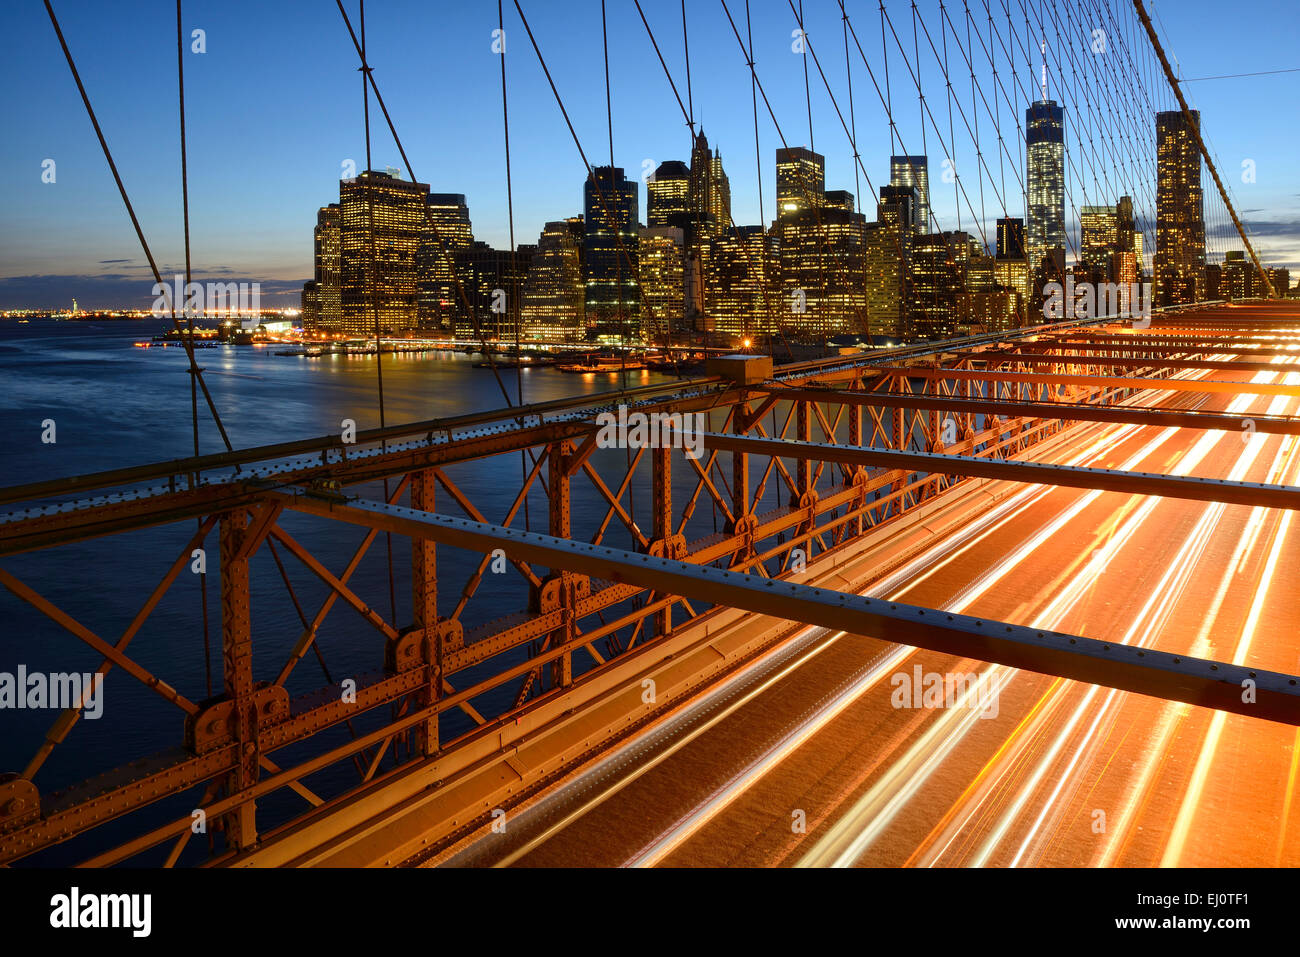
(680, 363)
(602, 364)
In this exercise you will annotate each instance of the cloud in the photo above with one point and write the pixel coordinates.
(1255, 228)
(104, 262)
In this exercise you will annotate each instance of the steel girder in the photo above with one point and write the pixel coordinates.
(1085, 412)
(1174, 677)
(1123, 345)
(1132, 362)
(1118, 382)
(1035, 473)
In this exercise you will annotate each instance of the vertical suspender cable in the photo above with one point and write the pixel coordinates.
(514, 261)
(194, 385)
(374, 292)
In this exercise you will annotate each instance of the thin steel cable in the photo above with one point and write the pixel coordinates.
(365, 71)
(194, 389)
(514, 261)
(618, 280)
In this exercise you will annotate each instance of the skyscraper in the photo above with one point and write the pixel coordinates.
(898, 206)
(914, 171)
(1045, 180)
(613, 302)
(823, 270)
(708, 191)
(1126, 263)
(328, 268)
(888, 257)
(719, 194)
(1011, 238)
(310, 317)
(800, 181)
(1098, 238)
(1238, 279)
(935, 281)
(741, 295)
(441, 304)
(384, 288)
(492, 277)
(660, 265)
(1180, 217)
(554, 295)
(666, 195)
(1011, 266)
(886, 281)
(708, 205)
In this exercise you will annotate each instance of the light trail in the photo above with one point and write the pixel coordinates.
(1167, 591)
(709, 808)
(621, 783)
(1064, 601)
(952, 548)
(1141, 632)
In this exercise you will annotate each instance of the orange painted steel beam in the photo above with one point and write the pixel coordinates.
(1134, 362)
(1121, 382)
(1083, 412)
(1120, 344)
(1195, 681)
(1035, 473)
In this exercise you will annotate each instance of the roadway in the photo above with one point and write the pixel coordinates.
(819, 755)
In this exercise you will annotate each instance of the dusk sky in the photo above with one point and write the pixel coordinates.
(274, 112)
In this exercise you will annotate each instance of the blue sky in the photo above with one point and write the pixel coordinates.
(274, 111)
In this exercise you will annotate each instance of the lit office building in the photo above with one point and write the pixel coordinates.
(661, 266)
(886, 281)
(992, 310)
(667, 194)
(800, 181)
(708, 191)
(743, 299)
(1180, 217)
(823, 271)
(1012, 275)
(442, 303)
(310, 315)
(554, 305)
(898, 206)
(382, 290)
(1280, 277)
(720, 195)
(1238, 278)
(328, 269)
(495, 280)
(613, 301)
(935, 281)
(1098, 238)
(887, 245)
(1045, 180)
(1011, 238)
(840, 199)
(914, 171)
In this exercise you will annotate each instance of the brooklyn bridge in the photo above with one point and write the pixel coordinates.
(1015, 596)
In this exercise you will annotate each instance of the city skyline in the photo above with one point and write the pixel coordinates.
(78, 236)
(819, 268)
